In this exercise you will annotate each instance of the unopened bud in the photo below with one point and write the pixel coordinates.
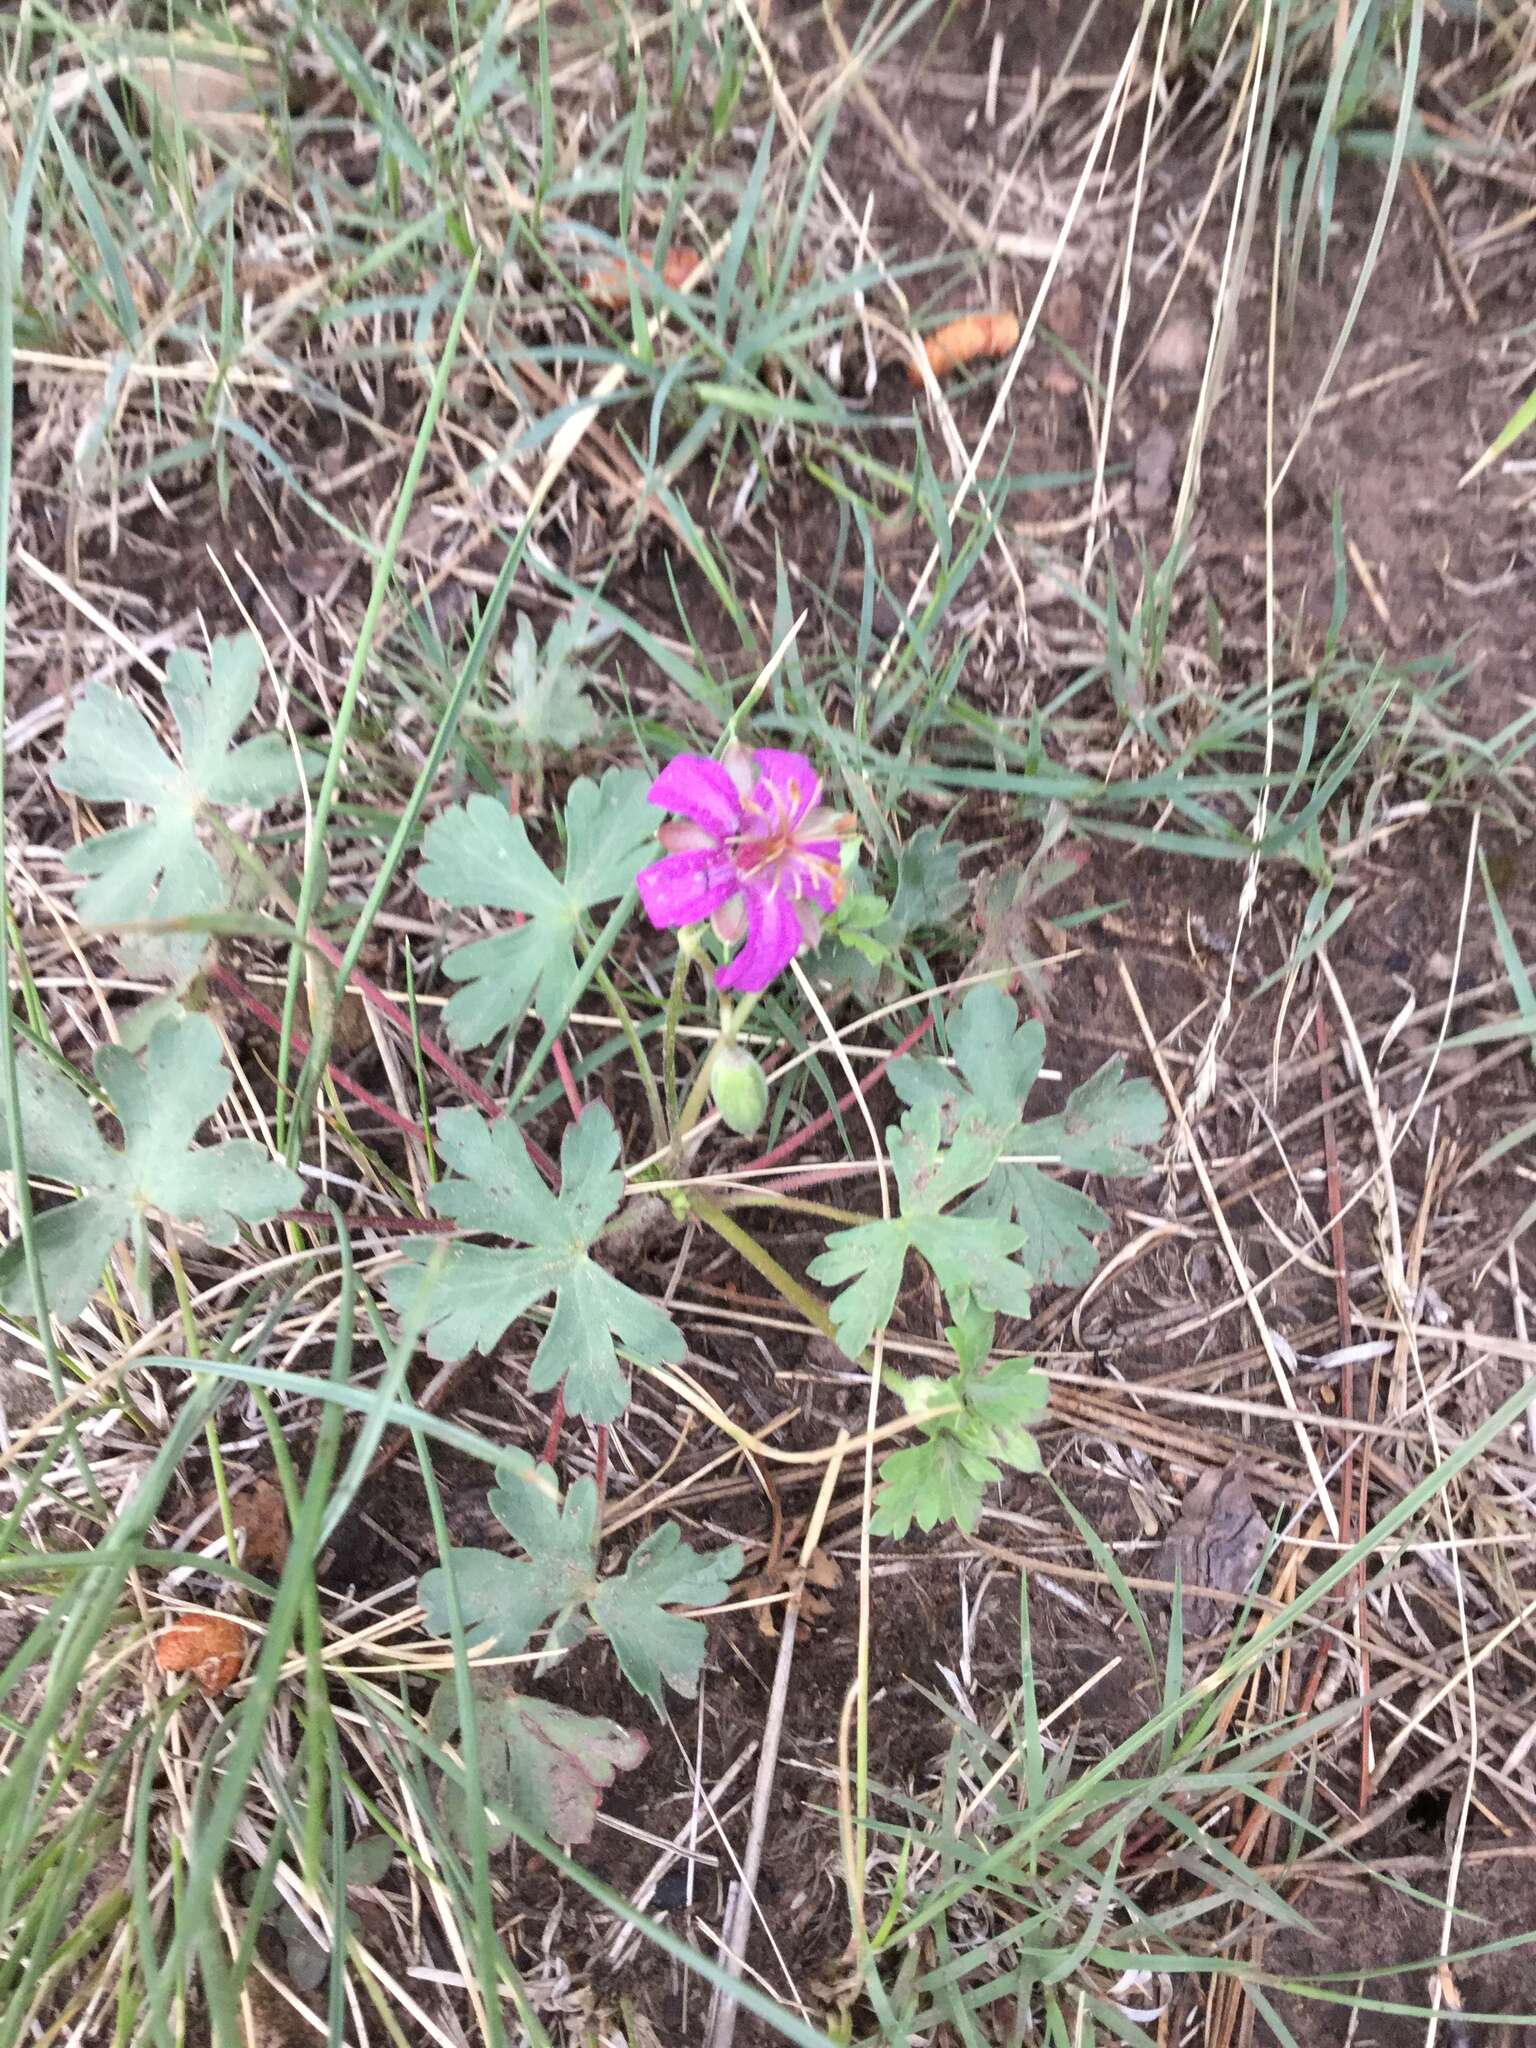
(739, 1089)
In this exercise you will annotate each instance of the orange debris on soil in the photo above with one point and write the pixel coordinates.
(210, 1646)
(964, 340)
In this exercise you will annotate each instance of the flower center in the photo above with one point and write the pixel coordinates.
(770, 846)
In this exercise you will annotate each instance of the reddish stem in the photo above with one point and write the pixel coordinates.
(375, 997)
(788, 1147)
(567, 1079)
(552, 1441)
(818, 1176)
(343, 1081)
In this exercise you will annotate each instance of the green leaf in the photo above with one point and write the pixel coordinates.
(502, 1601)
(543, 1763)
(160, 1104)
(929, 891)
(478, 856)
(367, 1861)
(996, 1064)
(964, 1133)
(970, 1338)
(159, 869)
(477, 1291)
(940, 1479)
(548, 702)
(971, 1257)
(1000, 1408)
(929, 895)
(970, 1423)
(631, 1610)
(1105, 1124)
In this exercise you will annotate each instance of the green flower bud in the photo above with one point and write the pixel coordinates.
(738, 1088)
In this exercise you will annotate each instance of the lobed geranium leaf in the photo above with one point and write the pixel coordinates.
(549, 705)
(631, 1610)
(160, 1102)
(159, 869)
(972, 1257)
(480, 857)
(503, 1601)
(477, 1291)
(545, 1764)
(1103, 1128)
(969, 1425)
(938, 1479)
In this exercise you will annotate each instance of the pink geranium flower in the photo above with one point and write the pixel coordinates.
(754, 851)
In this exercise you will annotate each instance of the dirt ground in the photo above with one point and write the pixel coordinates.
(1436, 574)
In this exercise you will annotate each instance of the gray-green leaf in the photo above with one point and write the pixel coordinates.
(502, 1601)
(477, 1291)
(160, 1102)
(158, 869)
(549, 706)
(478, 856)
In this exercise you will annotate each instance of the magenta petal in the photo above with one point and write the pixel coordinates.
(700, 790)
(773, 939)
(792, 779)
(686, 888)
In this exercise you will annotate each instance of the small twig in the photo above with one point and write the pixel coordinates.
(721, 2028)
(1346, 1397)
(407, 1226)
(1517, 1296)
(1441, 233)
(344, 1081)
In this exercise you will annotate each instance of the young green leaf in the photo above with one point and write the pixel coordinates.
(929, 891)
(1105, 1124)
(549, 705)
(160, 1105)
(971, 1256)
(866, 933)
(937, 1479)
(479, 857)
(477, 1291)
(543, 1763)
(159, 869)
(503, 1601)
(969, 1424)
